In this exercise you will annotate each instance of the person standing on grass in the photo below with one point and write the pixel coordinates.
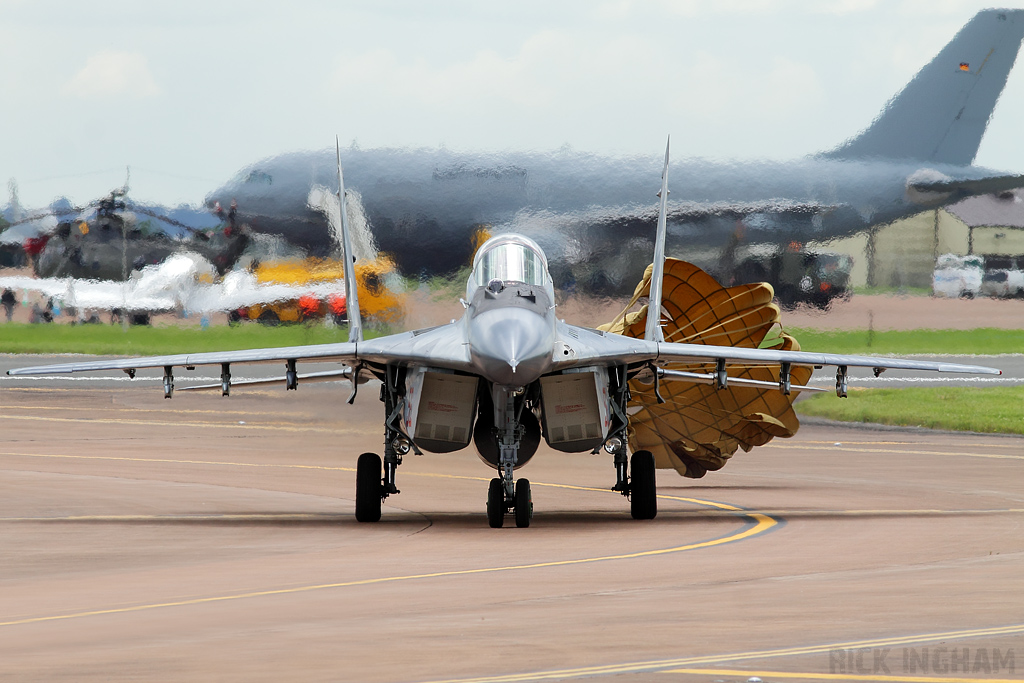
(8, 300)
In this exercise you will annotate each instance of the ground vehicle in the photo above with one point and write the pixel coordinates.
(1003, 276)
(957, 276)
(379, 291)
(799, 276)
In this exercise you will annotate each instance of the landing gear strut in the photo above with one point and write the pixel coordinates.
(641, 488)
(639, 484)
(371, 487)
(505, 494)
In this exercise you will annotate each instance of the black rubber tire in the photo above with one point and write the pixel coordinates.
(269, 318)
(524, 503)
(496, 503)
(369, 488)
(643, 487)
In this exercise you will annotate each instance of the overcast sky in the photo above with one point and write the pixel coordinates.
(187, 93)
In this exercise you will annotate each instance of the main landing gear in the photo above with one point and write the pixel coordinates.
(642, 487)
(371, 487)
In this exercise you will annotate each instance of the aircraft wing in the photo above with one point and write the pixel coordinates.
(439, 346)
(342, 351)
(990, 185)
(583, 346)
(689, 352)
(91, 294)
(48, 287)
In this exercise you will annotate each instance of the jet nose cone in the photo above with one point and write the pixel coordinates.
(511, 346)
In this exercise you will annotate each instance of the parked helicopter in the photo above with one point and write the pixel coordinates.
(114, 236)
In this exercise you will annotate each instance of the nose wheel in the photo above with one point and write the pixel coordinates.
(523, 503)
(498, 504)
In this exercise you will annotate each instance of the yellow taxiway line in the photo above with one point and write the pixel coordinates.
(760, 523)
(246, 426)
(174, 461)
(681, 665)
(898, 451)
(799, 675)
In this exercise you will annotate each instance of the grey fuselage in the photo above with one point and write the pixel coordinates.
(425, 205)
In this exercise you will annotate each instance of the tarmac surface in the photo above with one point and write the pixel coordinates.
(209, 538)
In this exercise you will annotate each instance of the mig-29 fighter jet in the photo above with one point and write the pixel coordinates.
(509, 373)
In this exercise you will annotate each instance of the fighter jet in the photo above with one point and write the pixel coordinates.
(509, 373)
(584, 208)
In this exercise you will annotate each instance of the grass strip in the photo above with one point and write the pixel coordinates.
(997, 410)
(980, 341)
(143, 340)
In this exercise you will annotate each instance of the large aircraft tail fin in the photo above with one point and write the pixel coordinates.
(355, 321)
(941, 115)
(653, 331)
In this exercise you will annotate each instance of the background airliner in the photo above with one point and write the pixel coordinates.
(916, 155)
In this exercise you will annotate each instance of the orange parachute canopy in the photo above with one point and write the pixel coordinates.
(700, 427)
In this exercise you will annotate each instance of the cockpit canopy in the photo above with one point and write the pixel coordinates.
(509, 258)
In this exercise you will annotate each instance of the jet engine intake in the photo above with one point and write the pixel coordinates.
(576, 409)
(439, 409)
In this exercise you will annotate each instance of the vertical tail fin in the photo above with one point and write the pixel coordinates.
(653, 332)
(941, 115)
(355, 321)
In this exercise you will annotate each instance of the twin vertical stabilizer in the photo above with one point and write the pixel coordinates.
(355, 322)
(654, 331)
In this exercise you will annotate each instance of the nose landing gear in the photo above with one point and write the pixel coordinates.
(505, 494)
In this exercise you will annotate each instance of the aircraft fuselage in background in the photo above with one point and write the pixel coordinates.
(916, 155)
(563, 198)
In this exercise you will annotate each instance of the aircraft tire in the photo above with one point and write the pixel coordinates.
(269, 318)
(643, 487)
(496, 503)
(524, 503)
(369, 488)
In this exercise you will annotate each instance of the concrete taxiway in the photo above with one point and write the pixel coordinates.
(209, 538)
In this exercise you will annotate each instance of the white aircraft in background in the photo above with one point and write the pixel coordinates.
(183, 283)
